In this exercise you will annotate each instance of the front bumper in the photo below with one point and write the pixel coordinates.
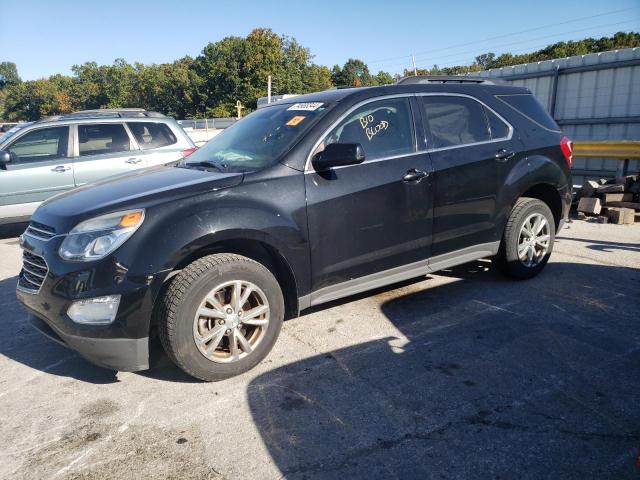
(122, 345)
(122, 354)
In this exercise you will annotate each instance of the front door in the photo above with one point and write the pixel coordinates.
(374, 216)
(104, 149)
(39, 168)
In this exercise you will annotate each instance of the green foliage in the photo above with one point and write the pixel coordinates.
(8, 74)
(232, 69)
(489, 60)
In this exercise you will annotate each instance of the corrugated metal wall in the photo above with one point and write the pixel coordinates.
(597, 98)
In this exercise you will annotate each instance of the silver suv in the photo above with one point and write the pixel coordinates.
(43, 158)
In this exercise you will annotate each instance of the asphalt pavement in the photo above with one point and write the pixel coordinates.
(463, 374)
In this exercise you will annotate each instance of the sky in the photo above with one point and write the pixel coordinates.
(48, 37)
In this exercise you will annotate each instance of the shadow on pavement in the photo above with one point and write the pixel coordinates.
(20, 342)
(604, 246)
(495, 379)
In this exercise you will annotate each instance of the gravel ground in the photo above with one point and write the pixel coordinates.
(458, 375)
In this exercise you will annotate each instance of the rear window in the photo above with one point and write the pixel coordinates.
(152, 135)
(531, 108)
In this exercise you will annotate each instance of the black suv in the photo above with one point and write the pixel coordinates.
(302, 202)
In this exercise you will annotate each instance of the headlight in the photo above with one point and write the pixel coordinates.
(97, 237)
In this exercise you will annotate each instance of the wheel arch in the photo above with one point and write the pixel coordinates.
(548, 194)
(252, 245)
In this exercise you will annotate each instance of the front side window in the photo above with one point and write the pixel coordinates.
(40, 145)
(152, 135)
(98, 139)
(455, 121)
(384, 128)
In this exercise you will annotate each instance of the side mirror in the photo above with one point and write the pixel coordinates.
(5, 157)
(337, 155)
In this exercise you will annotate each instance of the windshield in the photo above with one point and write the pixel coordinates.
(12, 131)
(259, 139)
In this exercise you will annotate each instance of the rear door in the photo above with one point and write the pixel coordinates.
(104, 149)
(367, 218)
(472, 149)
(40, 167)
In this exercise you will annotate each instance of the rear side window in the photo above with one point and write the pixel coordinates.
(384, 128)
(497, 127)
(455, 121)
(152, 135)
(531, 108)
(97, 139)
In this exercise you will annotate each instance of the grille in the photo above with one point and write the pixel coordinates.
(39, 230)
(34, 271)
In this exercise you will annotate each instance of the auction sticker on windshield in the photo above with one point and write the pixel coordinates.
(308, 106)
(295, 120)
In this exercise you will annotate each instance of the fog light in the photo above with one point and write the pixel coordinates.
(95, 311)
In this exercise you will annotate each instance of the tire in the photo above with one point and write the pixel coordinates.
(508, 261)
(182, 329)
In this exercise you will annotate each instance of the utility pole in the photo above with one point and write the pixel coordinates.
(269, 89)
(415, 70)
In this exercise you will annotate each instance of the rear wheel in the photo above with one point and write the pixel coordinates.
(220, 316)
(528, 239)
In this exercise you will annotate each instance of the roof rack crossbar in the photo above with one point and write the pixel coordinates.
(417, 79)
(105, 113)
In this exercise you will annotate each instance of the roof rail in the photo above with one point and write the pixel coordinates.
(422, 79)
(105, 113)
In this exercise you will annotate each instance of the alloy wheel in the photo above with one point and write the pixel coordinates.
(534, 239)
(231, 321)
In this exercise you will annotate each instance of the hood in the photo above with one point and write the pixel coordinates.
(138, 189)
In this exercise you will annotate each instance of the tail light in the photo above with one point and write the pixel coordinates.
(566, 146)
(188, 151)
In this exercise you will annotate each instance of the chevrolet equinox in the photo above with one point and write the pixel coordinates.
(303, 201)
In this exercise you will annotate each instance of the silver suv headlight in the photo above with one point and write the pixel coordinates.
(97, 237)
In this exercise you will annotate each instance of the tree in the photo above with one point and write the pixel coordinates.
(8, 74)
(354, 73)
(485, 60)
(384, 78)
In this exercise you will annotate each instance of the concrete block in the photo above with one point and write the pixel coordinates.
(589, 188)
(621, 216)
(589, 205)
(607, 198)
(615, 188)
(616, 216)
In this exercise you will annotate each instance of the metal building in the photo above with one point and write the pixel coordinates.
(592, 97)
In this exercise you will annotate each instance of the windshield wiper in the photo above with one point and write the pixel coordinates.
(221, 168)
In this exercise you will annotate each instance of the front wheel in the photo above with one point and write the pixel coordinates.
(220, 316)
(528, 239)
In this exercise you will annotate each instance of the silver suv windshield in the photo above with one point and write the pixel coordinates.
(259, 139)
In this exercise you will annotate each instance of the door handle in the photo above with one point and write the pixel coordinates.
(60, 169)
(414, 175)
(133, 161)
(503, 155)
